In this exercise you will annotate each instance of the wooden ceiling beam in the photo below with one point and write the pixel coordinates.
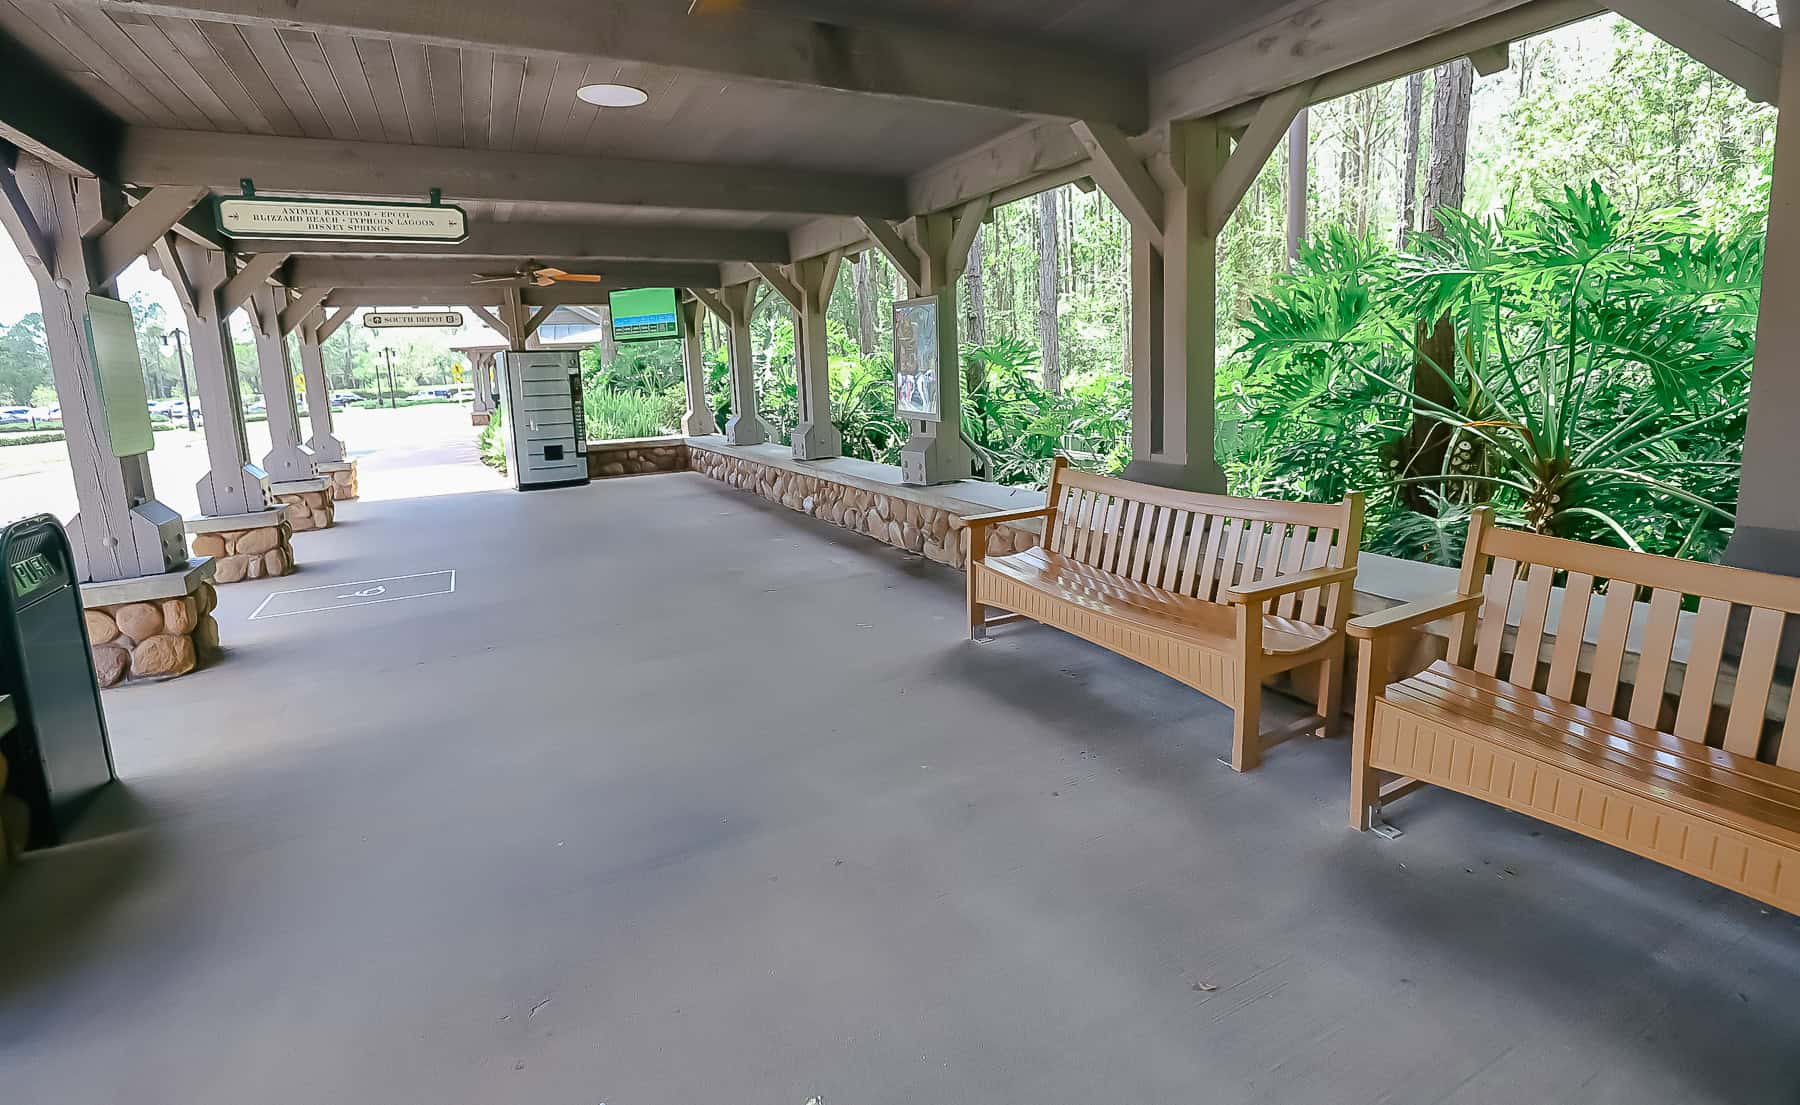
(515, 241)
(319, 166)
(894, 60)
(1350, 46)
(436, 272)
(45, 115)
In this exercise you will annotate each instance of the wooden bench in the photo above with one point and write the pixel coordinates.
(1216, 592)
(1681, 764)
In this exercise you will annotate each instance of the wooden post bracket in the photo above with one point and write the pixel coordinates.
(1267, 128)
(140, 228)
(303, 305)
(1122, 176)
(897, 249)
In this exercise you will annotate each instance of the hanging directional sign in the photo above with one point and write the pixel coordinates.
(393, 320)
(340, 220)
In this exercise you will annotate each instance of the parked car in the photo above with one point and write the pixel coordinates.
(10, 415)
(342, 399)
(256, 406)
(466, 395)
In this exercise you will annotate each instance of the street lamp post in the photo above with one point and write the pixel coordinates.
(389, 351)
(187, 400)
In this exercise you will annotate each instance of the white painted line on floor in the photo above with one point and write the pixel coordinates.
(362, 592)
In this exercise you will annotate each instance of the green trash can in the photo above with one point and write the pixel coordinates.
(58, 753)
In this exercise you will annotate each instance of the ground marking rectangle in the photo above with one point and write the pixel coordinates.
(362, 592)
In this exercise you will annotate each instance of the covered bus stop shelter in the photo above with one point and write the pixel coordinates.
(690, 799)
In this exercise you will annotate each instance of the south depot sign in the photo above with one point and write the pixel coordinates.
(340, 220)
(394, 320)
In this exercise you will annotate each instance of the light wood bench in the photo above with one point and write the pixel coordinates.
(1710, 790)
(1216, 592)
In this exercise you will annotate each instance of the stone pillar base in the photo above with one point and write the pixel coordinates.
(341, 475)
(152, 627)
(308, 502)
(245, 546)
(480, 418)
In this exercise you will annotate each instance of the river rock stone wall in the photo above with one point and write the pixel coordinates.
(241, 554)
(636, 458)
(153, 639)
(933, 532)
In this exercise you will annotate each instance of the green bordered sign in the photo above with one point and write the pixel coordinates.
(31, 574)
(340, 220)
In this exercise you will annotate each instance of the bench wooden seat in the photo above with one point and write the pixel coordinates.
(1713, 792)
(1216, 592)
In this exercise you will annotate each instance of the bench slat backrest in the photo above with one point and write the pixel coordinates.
(1202, 545)
(1531, 634)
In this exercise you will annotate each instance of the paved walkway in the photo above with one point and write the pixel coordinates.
(680, 798)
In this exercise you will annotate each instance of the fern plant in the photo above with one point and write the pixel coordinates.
(1598, 389)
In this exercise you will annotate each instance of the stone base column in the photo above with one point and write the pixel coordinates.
(153, 627)
(341, 475)
(308, 502)
(245, 546)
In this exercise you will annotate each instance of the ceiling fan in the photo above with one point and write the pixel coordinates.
(542, 276)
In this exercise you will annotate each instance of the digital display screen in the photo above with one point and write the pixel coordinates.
(644, 314)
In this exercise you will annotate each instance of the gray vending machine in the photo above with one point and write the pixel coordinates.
(546, 427)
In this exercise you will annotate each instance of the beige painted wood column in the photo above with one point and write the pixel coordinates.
(121, 531)
(745, 426)
(326, 446)
(815, 436)
(1767, 537)
(287, 459)
(233, 485)
(698, 421)
(1174, 325)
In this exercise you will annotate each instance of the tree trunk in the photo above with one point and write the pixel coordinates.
(865, 304)
(1428, 441)
(1298, 136)
(1409, 158)
(975, 328)
(1051, 356)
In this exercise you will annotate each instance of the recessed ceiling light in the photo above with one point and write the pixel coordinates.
(612, 95)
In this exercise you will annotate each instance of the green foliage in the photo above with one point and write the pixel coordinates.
(491, 445)
(1598, 391)
(612, 415)
(1019, 427)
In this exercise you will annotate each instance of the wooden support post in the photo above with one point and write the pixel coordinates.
(1173, 320)
(1767, 536)
(698, 421)
(937, 452)
(518, 321)
(233, 485)
(733, 306)
(287, 459)
(326, 446)
(815, 436)
(121, 531)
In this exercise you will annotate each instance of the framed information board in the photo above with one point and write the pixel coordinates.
(917, 384)
(119, 372)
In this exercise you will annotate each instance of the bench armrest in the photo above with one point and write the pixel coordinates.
(1000, 517)
(1411, 615)
(1287, 585)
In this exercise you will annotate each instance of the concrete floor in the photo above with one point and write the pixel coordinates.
(681, 798)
